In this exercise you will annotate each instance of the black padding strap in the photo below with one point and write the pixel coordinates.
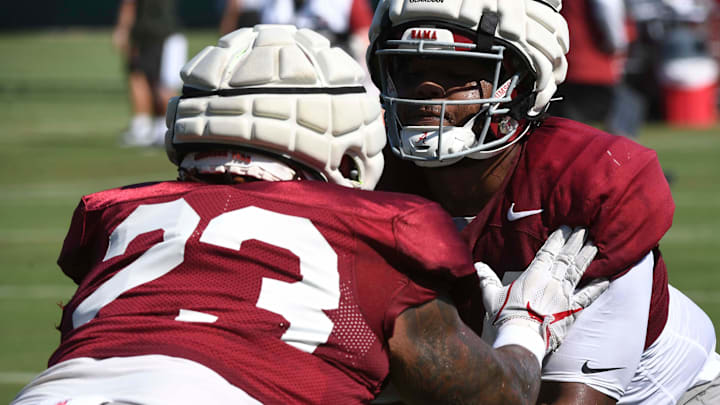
(486, 31)
(190, 92)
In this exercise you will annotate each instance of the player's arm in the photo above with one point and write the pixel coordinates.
(229, 19)
(125, 20)
(599, 358)
(76, 255)
(435, 358)
(570, 393)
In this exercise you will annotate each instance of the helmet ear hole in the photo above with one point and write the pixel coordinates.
(349, 168)
(170, 118)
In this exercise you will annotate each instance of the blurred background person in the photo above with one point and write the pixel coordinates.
(239, 13)
(147, 34)
(669, 74)
(688, 73)
(633, 61)
(599, 41)
(713, 25)
(344, 22)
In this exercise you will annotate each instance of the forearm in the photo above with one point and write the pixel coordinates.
(230, 16)
(572, 394)
(521, 370)
(610, 334)
(126, 15)
(458, 367)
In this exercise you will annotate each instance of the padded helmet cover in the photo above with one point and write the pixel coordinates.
(284, 92)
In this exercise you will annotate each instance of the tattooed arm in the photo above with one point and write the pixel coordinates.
(435, 358)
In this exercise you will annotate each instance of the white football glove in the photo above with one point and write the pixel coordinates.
(537, 309)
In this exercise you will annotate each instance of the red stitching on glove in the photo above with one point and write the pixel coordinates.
(507, 296)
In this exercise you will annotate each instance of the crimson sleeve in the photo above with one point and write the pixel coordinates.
(627, 201)
(438, 259)
(408, 252)
(634, 221)
(427, 237)
(73, 259)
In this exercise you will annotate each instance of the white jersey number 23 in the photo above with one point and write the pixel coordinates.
(301, 303)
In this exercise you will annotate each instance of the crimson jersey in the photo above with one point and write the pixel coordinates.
(289, 290)
(580, 176)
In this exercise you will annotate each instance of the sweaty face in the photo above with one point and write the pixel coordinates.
(440, 79)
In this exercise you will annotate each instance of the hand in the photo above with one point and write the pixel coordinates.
(121, 40)
(543, 298)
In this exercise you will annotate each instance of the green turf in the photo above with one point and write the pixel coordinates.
(691, 246)
(63, 105)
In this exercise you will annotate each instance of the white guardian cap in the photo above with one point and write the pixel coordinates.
(281, 94)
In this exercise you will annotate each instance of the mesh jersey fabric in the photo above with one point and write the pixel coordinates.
(391, 252)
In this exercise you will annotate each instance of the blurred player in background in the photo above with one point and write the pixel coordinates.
(269, 274)
(344, 22)
(465, 87)
(341, 21)
(670, 49)
(239, 13)
(147, 34)
(599, 38)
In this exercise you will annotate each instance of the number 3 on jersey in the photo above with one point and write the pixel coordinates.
(301, 303)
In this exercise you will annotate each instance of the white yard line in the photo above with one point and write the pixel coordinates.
(68, 190)
(34, 194)
(690, 234)
(703, 297)
(16, 377)
(35, 292)
(50, 191)
(49, 235)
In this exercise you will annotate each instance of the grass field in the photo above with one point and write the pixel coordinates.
(63, 105)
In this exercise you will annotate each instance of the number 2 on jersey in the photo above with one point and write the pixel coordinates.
(301, 303)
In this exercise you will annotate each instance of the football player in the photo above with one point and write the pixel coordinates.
(269, 274)
(466, 85)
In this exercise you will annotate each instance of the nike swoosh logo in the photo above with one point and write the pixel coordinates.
(589, 370)
(515, 215)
